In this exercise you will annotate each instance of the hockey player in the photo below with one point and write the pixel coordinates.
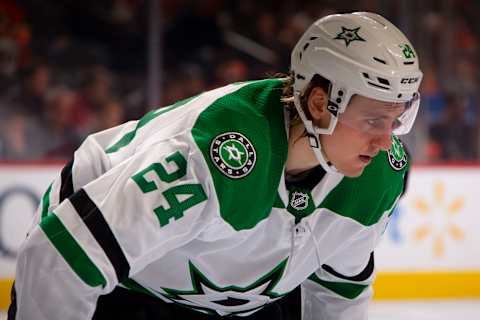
(224, 203)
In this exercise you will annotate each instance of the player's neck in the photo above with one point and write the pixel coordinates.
(300, 155)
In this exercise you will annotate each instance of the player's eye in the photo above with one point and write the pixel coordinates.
(375, 123)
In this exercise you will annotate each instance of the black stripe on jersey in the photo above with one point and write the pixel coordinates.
(362, 276)
(405, 183)
(407, 173)
(98, 226)
(66, 188)
(12, 310)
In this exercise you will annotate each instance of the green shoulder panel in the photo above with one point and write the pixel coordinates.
(367, 197)
(243, 140)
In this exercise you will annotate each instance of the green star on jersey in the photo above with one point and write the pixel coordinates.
(349, 35)
(209, 297)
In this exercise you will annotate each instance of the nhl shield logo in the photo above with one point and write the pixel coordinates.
(397, 157)
(233, 154)
(299, 200)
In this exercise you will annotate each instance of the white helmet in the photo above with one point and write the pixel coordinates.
(359, 53)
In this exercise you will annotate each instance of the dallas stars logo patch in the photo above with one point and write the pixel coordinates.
(397, 157)
(349, 35)
(233, 154)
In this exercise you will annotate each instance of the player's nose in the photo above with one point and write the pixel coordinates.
(383, 142)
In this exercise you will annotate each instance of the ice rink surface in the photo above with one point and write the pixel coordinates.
(425, 310)
(417, 310)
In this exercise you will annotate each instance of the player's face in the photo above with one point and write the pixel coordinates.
(362, 131)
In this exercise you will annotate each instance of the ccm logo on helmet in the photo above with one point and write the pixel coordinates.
(409, 80)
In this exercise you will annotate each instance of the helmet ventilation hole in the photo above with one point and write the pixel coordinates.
(379, 60)
(383, 81)
(378, 86)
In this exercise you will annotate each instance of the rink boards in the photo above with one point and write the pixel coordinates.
(431, 248)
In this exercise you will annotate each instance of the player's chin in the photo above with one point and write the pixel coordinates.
(353, 174)
(352, 171)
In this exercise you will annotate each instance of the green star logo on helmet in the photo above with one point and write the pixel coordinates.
(349, 35)
(397, 157)
(233, 154)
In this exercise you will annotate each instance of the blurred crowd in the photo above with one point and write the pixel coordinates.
(69, 68)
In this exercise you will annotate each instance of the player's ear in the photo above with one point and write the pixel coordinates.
(317, 105)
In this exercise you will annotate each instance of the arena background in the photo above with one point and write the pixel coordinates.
(69, 68)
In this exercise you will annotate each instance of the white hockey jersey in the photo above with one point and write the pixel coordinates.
(189, 204)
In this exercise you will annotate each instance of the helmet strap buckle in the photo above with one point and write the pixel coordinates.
(313, 140)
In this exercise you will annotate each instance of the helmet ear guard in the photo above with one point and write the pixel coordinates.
(339, 97)
(310, 127)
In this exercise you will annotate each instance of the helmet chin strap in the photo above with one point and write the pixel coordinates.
(314, 141)
(314, 135)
